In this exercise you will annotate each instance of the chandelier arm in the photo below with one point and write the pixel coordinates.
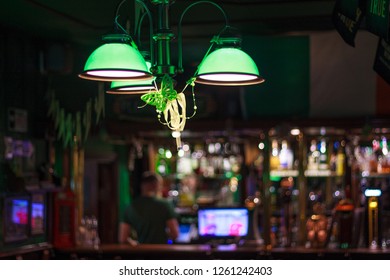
(120, 27)
(118, 8)
(150, 29)
(117, 24)
(179, 29)
(139, 30)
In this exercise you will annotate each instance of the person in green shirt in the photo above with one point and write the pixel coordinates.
(152, 218)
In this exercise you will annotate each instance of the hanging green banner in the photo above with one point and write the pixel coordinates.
(377, 17)
(382, 60)
(347, 17)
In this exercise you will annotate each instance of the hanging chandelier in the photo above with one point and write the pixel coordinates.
(152, 73)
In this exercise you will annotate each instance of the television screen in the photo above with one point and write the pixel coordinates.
(223, 222)
(16, 219)
(37, 214)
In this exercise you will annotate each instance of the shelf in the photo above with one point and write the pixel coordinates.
(321, 173)
(284, 173)
(308, 173)
(212, 177)
(375, 175)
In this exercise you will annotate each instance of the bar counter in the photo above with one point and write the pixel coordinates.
(124, 251)
(30, 252)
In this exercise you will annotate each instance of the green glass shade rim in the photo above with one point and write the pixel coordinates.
(124, 92)
(257, 80)
(118, 88)
(86, 75)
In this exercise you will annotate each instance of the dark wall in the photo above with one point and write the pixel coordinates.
(21, 83)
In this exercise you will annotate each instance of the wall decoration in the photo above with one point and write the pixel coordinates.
(347, 17)
(69, 125)
(377, 17)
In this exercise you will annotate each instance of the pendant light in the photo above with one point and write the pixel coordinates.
(116, 60)
(228, 65)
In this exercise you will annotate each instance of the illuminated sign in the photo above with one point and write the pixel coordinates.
(372, 193)
(377, 17)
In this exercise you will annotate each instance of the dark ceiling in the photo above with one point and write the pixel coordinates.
(84, 21)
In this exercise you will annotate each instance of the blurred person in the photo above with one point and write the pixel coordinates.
(151, 218)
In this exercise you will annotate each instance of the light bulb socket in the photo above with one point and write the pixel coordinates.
(166, 2)
(228, 42)
(117, 38)
(229, 37)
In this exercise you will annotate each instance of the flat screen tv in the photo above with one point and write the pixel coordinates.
(222, 222)
(16, 218)
(38, 214)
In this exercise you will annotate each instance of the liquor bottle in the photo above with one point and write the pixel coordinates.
(340, 162)
(274, 161)
(313, 156)
(286, 156)
(383, 158)
(323, 165)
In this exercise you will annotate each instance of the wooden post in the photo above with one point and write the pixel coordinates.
(329, 180)
(265, 194)
(78, 178)
(302, 191)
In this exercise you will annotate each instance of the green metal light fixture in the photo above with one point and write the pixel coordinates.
(119, 60)
(116, 60)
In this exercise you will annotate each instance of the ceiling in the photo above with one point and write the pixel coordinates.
(84, 21)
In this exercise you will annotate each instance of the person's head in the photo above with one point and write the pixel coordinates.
(151, 184)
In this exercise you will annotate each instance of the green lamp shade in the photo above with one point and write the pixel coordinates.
(132, 87)
(115, 61)
(228, 67)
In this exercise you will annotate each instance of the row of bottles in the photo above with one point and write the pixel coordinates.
(319, 158)
(374, 158)
(282, 159)
(211, 160)
(202, 173)
(87, 234)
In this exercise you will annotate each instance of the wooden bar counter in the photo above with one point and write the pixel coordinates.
(159, 252)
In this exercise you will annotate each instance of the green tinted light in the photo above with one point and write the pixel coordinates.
(115, 61)
(230, 67)
(133, 87)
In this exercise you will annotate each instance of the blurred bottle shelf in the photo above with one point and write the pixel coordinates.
(284, 173)
(375, 175)
(321, 173)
